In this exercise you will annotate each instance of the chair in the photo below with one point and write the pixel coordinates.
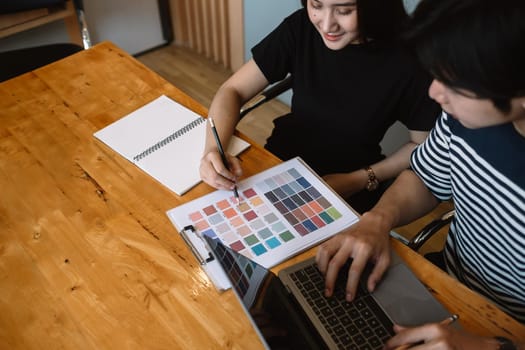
(416, 242)
(267, 95)
(424, 235)
(20, 61)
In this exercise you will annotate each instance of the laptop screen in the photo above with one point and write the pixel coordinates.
(274, 313)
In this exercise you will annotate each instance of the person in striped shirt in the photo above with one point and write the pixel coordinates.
(475, 156)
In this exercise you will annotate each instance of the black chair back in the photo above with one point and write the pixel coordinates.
(26, 5)
(20, 61)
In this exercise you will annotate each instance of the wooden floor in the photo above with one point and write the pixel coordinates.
(200, 77)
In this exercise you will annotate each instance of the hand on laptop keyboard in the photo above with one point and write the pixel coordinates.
(360, 324)
(366, 241)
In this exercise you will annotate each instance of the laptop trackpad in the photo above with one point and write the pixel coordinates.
(406, 300)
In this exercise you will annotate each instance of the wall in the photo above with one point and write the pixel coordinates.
(134, 25)
(260, 18)
(410, 5)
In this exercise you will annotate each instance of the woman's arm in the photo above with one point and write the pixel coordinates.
(224, 109)
(346, 184)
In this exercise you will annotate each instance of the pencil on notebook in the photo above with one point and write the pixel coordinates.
(223, 155)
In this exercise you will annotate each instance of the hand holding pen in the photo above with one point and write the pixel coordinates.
(446, 322)
(223, 154)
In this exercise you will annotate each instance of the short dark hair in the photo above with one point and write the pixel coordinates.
(381, 20)
(476, 45)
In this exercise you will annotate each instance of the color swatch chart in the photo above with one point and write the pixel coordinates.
(282, 211)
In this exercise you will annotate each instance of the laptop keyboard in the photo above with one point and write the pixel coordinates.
(360, 324)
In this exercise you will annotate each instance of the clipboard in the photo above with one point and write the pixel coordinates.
(203, 255)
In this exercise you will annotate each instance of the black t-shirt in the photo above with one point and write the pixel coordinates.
(343, 101)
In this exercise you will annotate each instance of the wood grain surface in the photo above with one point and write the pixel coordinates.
(88, 257)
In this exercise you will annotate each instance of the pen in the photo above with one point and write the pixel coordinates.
(223, 155)
(446, 322)
(449, 320)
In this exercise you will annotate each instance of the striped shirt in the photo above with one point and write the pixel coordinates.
(483, 171)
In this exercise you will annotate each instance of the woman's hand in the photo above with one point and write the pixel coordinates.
(214, 172)
(367, 240)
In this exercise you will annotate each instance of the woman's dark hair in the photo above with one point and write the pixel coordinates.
(476, 45)
(380, 20)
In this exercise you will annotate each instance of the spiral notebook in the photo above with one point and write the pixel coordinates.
(164, 139)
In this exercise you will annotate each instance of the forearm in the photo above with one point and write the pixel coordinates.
(347, 184)
(393, 165)
(405, 200)
(224, 110)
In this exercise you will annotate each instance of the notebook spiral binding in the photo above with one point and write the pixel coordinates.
(170, 138)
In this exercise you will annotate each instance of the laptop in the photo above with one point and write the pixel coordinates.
(289, 310)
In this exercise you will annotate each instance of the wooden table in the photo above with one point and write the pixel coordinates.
(88, 258)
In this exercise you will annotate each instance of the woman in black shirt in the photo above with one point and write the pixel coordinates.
(351, 81)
